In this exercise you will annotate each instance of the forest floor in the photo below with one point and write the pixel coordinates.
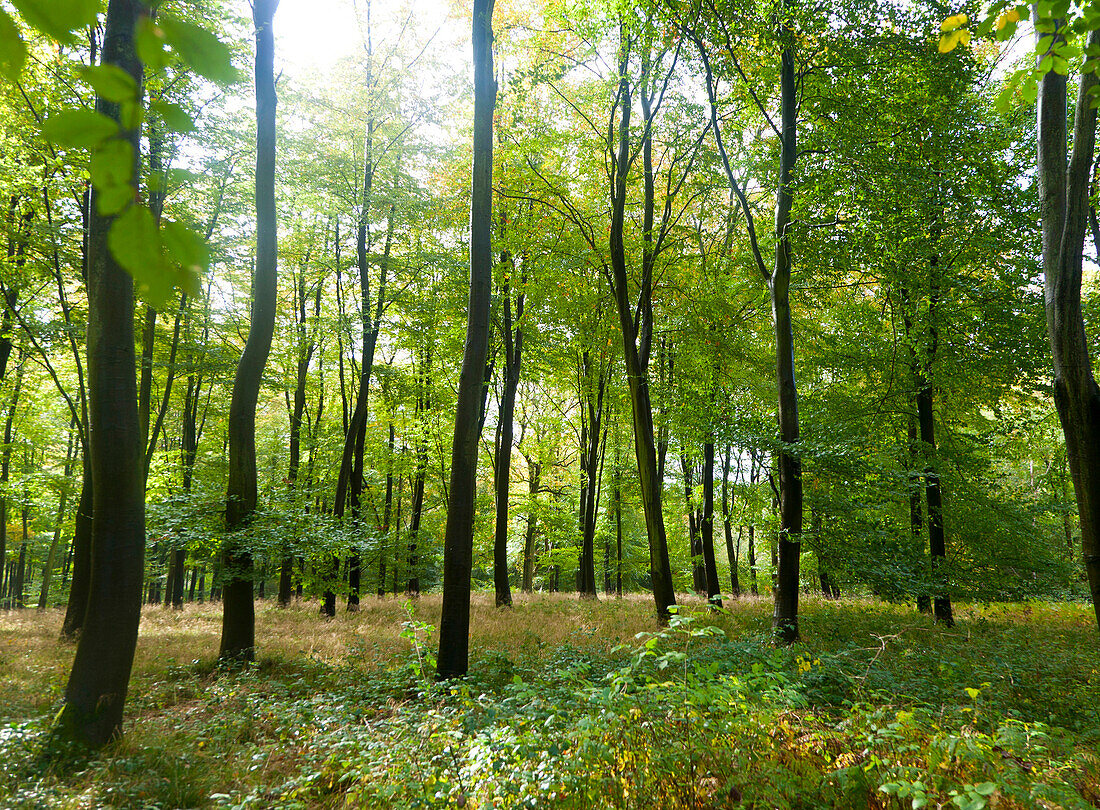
(566, 706)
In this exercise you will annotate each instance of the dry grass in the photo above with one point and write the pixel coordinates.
(34, 663)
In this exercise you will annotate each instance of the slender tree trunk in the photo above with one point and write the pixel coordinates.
(731, 551)
(238, 614)
(785, 619)
(96, 690)
(59, 521)
(593, 384)
(513, 349)
(454, 629)
(5, 466)
(51, 558)
(710, 565)
(698, 574)
(534, 473)
(387, 511)
(416, 508)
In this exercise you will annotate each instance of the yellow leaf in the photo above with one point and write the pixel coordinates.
(948, 42)
(1010, 16)
(953, 22)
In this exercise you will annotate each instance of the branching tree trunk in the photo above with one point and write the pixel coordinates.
(1064, 201)
(238, 614)
(635, 354)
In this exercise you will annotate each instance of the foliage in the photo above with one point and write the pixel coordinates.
(879, 708)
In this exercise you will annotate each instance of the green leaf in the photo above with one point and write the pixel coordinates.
(1044, 44)
(131, 114)
(187, 250)
(200, 49)
(13, 51)
(58, 18)
(110, 201)
(135, 244)
(149, 44)
(110, 82)
(986, 788)
(1029, 90)
(174, 116)
(919, 802)
(79, 128)
(112, 164)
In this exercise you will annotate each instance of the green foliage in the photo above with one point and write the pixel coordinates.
(59, 18)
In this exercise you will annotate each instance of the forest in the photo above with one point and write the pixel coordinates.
(549, 403)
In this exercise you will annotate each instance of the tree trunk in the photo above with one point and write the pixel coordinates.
(513, 354)
(238, 614)
(710, 565)
(387, 511)
(59, 520)
(593, 382)
(5, 467)
(1064, 200)
(416, 508)
(731, 551)
(785, 619)
(534, 473)
(454, 629)
(937, 544)
(636, 374)
(698, 574)
(96, 690)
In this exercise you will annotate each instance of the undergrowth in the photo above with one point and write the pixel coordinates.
(582, 705)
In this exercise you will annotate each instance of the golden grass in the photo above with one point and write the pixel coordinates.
(34, 662)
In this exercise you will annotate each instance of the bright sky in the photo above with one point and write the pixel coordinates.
(317, 33)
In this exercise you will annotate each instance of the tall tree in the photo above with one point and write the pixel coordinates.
(458, 542)
(238, 614)
(778, 279)
(97, 686)
(1064, 192)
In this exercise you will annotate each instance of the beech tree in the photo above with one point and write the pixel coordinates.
(454, 625)
(238, 616)
(1064, 193)
(97, 686)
